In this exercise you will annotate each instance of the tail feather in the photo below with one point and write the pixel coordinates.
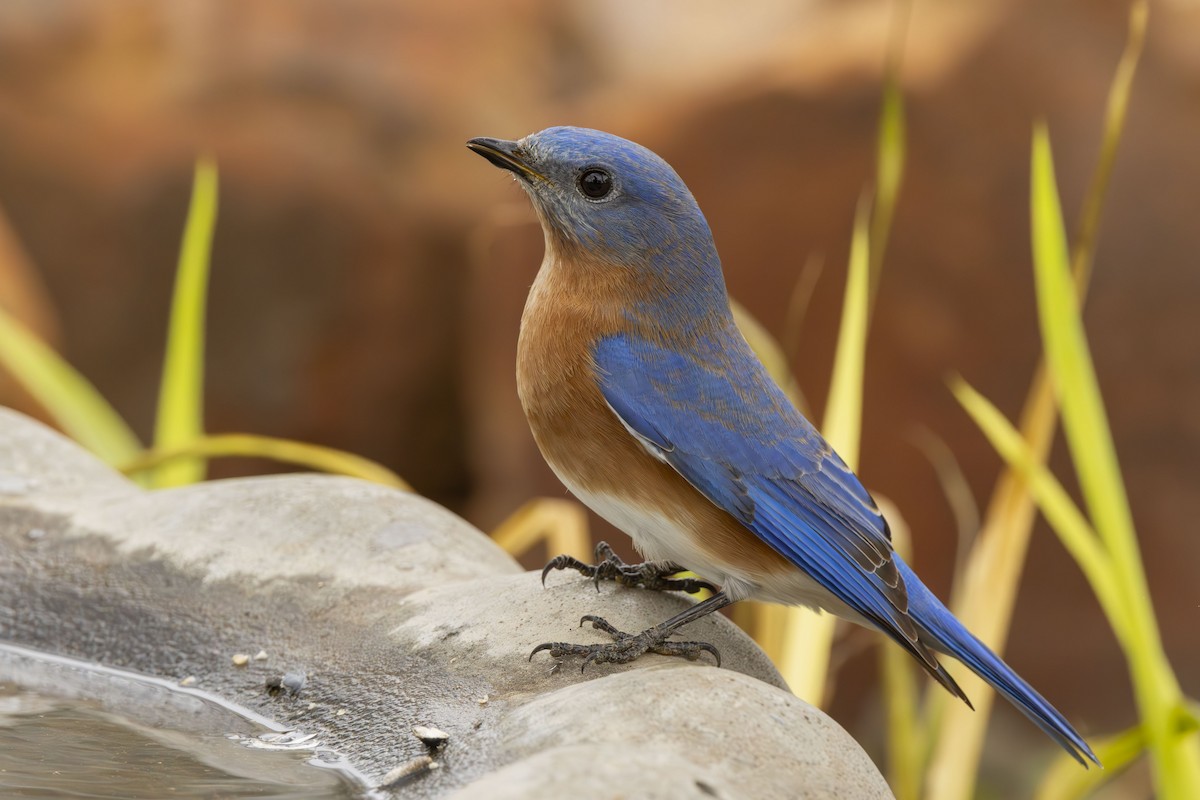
(944, 633)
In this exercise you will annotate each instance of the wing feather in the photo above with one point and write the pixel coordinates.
(718, 419)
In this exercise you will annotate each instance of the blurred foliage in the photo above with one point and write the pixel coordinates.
(181, 448)
(180, 417)
(1066, 781)
(73, 402)
(986, 591)
(804, 652)
(561, 524)
(934, 750)
(1175, 758)
(803, 657)
(1104, 545)
(300, 454)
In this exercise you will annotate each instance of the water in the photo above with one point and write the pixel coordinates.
(72, 730)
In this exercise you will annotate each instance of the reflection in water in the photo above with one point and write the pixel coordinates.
(73, 748)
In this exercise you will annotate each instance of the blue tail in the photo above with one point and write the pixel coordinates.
(941, 631)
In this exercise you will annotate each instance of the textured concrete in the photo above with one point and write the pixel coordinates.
(392, 613)
(735, 738)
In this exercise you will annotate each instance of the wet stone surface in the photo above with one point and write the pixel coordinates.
(367, 614)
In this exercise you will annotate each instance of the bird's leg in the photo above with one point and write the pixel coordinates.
(647, 575)
(625, 647)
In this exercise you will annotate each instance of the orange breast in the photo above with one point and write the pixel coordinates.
(581, 437)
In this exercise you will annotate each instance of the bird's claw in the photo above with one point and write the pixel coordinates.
(626, 647)
(543, 646)
(654, 575)
(566, 562)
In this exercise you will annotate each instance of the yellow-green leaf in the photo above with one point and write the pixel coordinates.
(1089, 438)
(988, 587)
(180, 416)
(323, 459)
(842, 427)
(561, 524)
(1066, 781)
(73, 402)
(1068, 358)
(808, 637)
(1064, 516)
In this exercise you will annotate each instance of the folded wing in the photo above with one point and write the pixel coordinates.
(720, 421)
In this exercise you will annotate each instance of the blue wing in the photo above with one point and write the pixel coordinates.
(720, 421)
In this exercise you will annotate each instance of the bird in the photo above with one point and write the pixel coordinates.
(649, 405)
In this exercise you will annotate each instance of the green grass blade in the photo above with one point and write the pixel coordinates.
(1064, 516)
(561, 525)
(1084, 419)
(1066, 781)
(907, 734)
(996, 560)
(1089, 438)
(808, 637)
(73, 402)
(760, 620)
(843, 411)
(907, 729)
(180, 417)
(322, 459)
(1115, 112)
(907, 742)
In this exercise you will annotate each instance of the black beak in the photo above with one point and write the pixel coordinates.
(504, 154)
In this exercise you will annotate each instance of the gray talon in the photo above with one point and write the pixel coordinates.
(627, 647)
(653, 575)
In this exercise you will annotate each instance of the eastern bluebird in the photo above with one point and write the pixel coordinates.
(649, 405)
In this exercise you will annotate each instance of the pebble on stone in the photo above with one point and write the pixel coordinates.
(291, 682)
(261, 655)
(432, 737)
(190, 680)
(294, 681)
(240, 659)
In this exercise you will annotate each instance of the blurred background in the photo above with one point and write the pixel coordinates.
(369, 272)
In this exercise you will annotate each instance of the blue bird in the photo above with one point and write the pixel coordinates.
(646, 401)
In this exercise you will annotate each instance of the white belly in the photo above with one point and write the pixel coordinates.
(660, 538)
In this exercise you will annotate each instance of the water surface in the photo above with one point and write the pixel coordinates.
(71, 730)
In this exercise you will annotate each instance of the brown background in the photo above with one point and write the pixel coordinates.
(369, 272)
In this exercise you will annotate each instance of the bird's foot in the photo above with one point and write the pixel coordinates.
(626, 647)
(654, 575)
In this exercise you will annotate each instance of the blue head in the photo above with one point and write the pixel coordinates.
(603, 200)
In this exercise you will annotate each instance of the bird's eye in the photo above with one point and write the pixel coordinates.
(595, 183)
